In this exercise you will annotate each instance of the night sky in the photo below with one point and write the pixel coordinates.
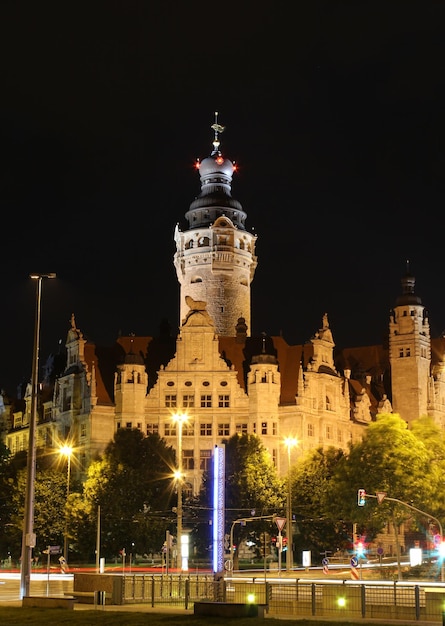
(334, 113)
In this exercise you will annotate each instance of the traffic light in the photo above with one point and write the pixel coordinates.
(361, 495)
(360, 548)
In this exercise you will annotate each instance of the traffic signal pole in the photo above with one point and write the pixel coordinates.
(382, 496)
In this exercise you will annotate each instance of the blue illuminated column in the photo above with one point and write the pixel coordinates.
(218, 508)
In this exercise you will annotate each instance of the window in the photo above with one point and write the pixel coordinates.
(310, 430)
(152, 429)
(223, 430)
(188, 429)
(241, 429)
(254, 428)
(408, 352)
(274, 456)
(170, 430)
(66, 400)
(83, 430)
(328, 404)
(206, 402)
(205, 430)
(47, 413)
(328, 431)
(139, 426)
(170, 401)
(188, 401)
(274, 428)
(188, 462)
(205, 459)
(339, 435)
(264, 428)
(128, 426)
(223, 401)
(401, 352)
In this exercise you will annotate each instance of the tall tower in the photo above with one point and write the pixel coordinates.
(409, 353)
(215, 258)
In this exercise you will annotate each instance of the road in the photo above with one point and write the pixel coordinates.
(41, 585)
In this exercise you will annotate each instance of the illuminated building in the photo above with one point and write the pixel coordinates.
(224, 379)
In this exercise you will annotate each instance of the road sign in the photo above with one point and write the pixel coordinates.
(380, 496)
(354, 572)
(280, 522)
(325, 561)
(52, 550)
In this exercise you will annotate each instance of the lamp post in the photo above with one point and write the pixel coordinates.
(66, 451)
(289, 442)
(179, 419)
(28, 537)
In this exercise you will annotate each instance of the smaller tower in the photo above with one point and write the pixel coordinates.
(130, 389)
(409, 352)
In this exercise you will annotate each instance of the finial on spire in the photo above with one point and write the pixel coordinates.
(218, 129)
(263, 334)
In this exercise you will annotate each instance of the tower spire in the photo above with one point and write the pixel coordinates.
(218, 129)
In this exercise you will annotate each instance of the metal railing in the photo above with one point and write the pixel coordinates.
(294, 597)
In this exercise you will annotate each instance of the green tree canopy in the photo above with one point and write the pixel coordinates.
(253, 488)
(390, 459)
(312, 480)
(133, 487)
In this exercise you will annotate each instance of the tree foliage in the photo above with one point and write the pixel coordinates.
(253, 488)
(389, 459)
(132, 484)
(316, 528)
(405, 464)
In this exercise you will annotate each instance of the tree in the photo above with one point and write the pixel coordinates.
(318, 530)
(253, 488)
(432, 436)
(133, 486)
(49, 509)
(389, 459)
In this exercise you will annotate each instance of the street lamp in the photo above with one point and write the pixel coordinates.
(179, 419)
(28, 537)
(289, 442)
(66, 451)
